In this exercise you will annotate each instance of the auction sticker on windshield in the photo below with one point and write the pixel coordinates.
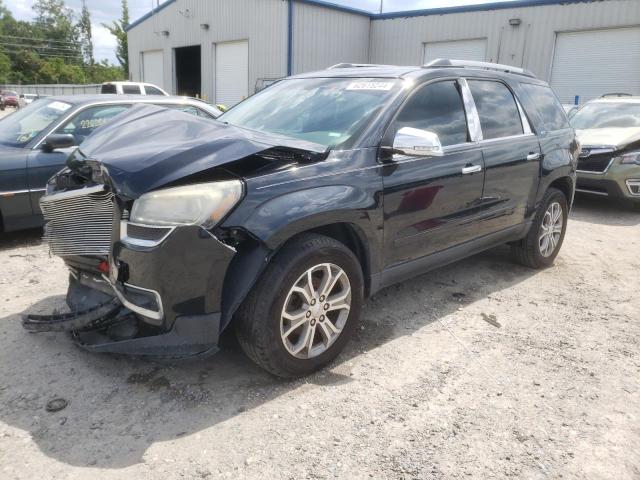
(59, 106)
(384, 86)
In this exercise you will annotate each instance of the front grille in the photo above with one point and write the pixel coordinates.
(595, 163)
(79, 222)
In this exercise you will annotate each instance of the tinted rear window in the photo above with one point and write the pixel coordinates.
(109, 89)
(497, 109)
(548, 106)
(131, 89)
(152, 90)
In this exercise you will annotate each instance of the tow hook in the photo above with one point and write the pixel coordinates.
(98, 316)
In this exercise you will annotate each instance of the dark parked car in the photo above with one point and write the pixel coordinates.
(10, 98)
(27, 159)
(281, 217)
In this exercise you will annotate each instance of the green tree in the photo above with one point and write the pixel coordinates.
(86, 35)
(55, 24)
(4, 11)
(52, 48)
(117, 29)
(56, 70)
(102, 71)
(5, 68)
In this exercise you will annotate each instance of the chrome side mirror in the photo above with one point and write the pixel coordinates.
(417, 143)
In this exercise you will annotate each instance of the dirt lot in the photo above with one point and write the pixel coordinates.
(479, 370)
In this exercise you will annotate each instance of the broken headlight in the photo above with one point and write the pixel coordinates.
(631, 157)
(201, 204)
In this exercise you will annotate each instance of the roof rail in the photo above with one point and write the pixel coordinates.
(445, 62)
(356, 65)
(615, 94)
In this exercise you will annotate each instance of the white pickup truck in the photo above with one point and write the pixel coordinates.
(132, 88)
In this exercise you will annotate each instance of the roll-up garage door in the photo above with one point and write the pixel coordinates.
(458, 49)
(232, 72)
(591, 63)
(153, 67)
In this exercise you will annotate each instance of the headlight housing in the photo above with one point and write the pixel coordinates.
(631, 157)
(200, 204)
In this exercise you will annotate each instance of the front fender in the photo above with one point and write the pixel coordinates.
(277, 220)
(283, 217)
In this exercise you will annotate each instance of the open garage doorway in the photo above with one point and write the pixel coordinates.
(188, 72)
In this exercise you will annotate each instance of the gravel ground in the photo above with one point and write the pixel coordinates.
(482, 369)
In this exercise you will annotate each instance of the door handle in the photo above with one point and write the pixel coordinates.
(471, 169)
(533, 156)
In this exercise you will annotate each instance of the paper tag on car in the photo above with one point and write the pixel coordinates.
(384, 86)
(59, 106)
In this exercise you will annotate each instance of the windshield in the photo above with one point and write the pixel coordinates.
(607, 115)
(21, 127)
(327, 111)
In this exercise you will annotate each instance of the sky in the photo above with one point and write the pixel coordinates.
(105, 11)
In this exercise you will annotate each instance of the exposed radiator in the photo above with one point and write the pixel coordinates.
(79, 222)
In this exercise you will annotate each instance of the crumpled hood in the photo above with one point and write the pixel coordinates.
(149, 146)
(614, 137)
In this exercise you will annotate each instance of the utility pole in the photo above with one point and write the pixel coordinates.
(381, 5)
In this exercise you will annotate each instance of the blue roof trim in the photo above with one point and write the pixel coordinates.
(335, 6)
(147, 15)
(405, 14)
(475, 8)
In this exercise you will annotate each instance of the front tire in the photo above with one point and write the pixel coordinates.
(542, 244)
(303, 310)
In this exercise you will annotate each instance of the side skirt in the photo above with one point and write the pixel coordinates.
(406, 270)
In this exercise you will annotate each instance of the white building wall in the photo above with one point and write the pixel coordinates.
(323, 37)
(262, 22)
(530, 45)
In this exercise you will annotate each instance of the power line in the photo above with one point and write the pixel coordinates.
(39, 47)
(50, 55)
(38, 39)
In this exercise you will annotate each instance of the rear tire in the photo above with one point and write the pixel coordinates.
(291, 329)
(542, 244)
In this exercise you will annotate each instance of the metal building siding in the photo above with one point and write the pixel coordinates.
(401, 40)
(323, 37)
(262, 22)
(577, 52)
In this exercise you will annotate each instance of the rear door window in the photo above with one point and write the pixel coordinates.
(438, 108)
(109, 88)
(548, 106)
(497, 109)
(152, 90)
(131, 90)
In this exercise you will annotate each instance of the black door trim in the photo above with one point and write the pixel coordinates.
(403, 271)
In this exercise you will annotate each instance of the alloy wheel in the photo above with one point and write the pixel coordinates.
(315, 311)
(551, 229)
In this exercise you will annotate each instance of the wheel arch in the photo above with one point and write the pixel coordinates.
(566, 186)
(255, 255)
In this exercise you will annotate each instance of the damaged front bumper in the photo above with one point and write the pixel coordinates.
(157, 298)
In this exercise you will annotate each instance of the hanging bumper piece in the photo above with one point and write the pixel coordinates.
(98, 316)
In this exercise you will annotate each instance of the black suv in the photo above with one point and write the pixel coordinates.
(300, 202)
